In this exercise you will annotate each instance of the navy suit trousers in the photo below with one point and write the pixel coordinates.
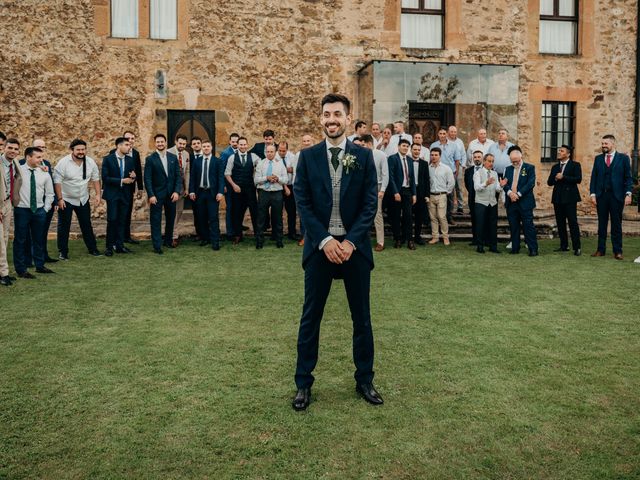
(609, 206)
(155, 218)
(28, 225)
(117, 211)
(207, 209)
(516, 215)
(318, 276)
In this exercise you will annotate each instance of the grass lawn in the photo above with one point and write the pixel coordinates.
(181, 366)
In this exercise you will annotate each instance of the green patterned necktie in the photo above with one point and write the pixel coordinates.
(33, 203)
(335, 152)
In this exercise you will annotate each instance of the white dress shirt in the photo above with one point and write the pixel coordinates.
(475, 145)
(416, 168)
(393, 142)
(382, 169)
(441, 178)
(288, 161)
(249, 157)
(206, 160)
(68, 173)
(277, 168)
(44, 188)
(486, 194)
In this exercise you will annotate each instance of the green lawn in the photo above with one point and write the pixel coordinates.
(181, 366)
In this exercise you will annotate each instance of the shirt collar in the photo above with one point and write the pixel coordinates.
(343, 146)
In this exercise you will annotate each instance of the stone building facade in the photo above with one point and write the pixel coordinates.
(265, 63)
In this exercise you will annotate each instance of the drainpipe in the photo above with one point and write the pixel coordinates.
(636, 112)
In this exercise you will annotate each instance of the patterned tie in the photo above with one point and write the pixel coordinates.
(244, 159)
(406, 172)
(33, 203)
(180, 159)
(608, 159)
(335, 153)
(206, 172)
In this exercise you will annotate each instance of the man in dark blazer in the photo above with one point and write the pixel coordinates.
(518, 182)
(260, 148)
(206, 189)
(564, 178)
(477, 157)
(336, 191)
(402, 191)
(163, 182)
(610, 190)
(118, 179)
(135, 155)
(421, 174)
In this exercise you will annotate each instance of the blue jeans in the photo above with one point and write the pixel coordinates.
(28, 225)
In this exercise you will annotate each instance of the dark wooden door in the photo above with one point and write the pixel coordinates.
(428, 118)
(192, 123)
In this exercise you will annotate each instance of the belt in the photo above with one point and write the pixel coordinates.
(438, 193)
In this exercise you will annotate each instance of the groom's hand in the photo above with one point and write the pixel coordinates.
(347, 249)
(334, 251)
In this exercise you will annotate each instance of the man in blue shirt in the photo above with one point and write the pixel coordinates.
(452, 155)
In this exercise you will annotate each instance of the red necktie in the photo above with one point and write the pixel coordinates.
(180, 159)
(608, 159)
(11, 180)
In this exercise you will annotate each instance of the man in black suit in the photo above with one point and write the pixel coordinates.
(564, 178)
(137, 164)
(471, 192)
(402, 189)
(336, 191)
(118, 179)
(206, 189)
(610, 189)
(163, 182)
(421, 174)
(260, 148)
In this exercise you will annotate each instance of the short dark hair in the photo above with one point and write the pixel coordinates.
(436, 149)
(78, 141)
(337, 98)
(121, 140)
(609, 137)
(403, 140)
(514, 148)
(569, 149)
(196, 138)
(29, 151)
(442, 129)
(2, 136)
(243, 138)
(360, 123)
(206, 141)
(366, 138)
(13, 141)
(181, 136)
(160, 135)
(415, 145)
(237, 135)
(268, 133)
(478, 151)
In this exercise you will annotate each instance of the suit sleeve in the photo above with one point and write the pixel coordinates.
(360, 229)
(220, 172)
(148, 178)
(576, 178)
(594, 178)
(106, 178)
(468, 179)
(177, 187)
(551, 181)
(628, 181)
(392, 187)
(192, 183)
(302, 193)
(412, 178)
(138, 170)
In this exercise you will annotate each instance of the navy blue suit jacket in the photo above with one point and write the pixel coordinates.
(526, 182)
(565, 190)
(396, 174)
(112, 190)
(216, 175)
(358, 198)
(156, 182)
(620, 176)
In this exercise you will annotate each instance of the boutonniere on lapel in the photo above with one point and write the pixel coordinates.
(349, 163)
(523, 172)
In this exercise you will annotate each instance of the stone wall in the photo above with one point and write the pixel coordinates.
(266, 63)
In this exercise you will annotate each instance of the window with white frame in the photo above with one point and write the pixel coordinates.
(559, 27)
(164, 19)
(124, 18)
(422, 24)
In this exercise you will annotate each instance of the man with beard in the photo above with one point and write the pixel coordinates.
(239, 174)
(71, 179)
(270, 178)
(336, 193)
(469, 172)
(260, 149)
(610, 190)
(287, 158)
(231, 150)
(180, 151)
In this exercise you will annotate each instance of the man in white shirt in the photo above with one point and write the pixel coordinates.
(180, 151)
(398, 133)
(270, 177)
(500, 152)
(486, 186)
(452, 134)
(482, 144)
(382, 170)
(35, 199)
(441, 185)
(71, 177)
(9, 160)
(376, 133)
(287, 158)
(361, 129)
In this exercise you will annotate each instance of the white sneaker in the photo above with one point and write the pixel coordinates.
(508, 247)
(637, 260)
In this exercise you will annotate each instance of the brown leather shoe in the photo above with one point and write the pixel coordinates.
(411, 245)
(175, 243)
(301, 242)
(433, 241)
(597, 253)
(378, 247)
(236, 240)
(618, 256)
(397, 244)
(447, 242)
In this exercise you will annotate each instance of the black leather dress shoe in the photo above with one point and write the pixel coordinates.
(561, 249)
(50, 260)
(577, 252)
(5, 281)
(132, 241)
(204, 243)
(302, 399)
(279, 245)
(12, 278)
(26, 275)
(95, 253)
(514, 252)
(216, 246)
(494, 250)
(108, 253)
(158, 251)
(44, 270)
(123, 250)
(411, 245)
(480, 249)
(369, 393)
(533, 253)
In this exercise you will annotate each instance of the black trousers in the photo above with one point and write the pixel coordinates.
(567, 212)
(318, 276)
(609, 206)
(449, 207)
(117, 211)
(239, 204)
(290, 207)
(155, 219)
(207, 207)
(486, 225)
(268, 200)
(471, 199)
(420, 213)
(28, 224)
(401, 214)
(127, 224)
(516, 215)
(83, 214)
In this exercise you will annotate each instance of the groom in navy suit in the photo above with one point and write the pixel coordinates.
(336, 192)
(610, 190)
(518, 182)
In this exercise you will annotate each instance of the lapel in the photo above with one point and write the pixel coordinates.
(346, 178)
(323, 165)
(160, 164)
